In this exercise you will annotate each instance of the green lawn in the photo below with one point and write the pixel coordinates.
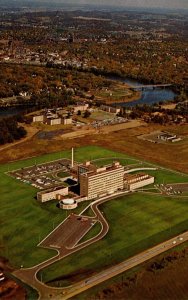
(137, 222)
(63, 174)
(95, 230)
(24, 221)
(123, 161)
(116, 93)
(165, 176)
(100, 115)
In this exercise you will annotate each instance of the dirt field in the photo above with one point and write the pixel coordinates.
(118, 127)
(125, 141)
(9, 289)
(169, 106)
(162, 279)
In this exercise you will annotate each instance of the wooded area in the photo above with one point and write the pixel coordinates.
(10, 130)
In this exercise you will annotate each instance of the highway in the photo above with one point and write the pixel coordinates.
(125, 265)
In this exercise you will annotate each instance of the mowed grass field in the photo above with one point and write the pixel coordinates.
(25, 222)
(101, 115)
(118, 93)
(137, 221)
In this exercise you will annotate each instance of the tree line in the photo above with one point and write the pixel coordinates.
(10, 130)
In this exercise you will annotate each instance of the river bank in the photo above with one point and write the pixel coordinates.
(121, 94)
(147, 96)
(118, 92)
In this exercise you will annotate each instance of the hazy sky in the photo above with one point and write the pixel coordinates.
(135, 3)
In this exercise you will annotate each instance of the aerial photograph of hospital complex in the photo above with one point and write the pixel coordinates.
(94, 150)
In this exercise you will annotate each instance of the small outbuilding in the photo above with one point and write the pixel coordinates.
(68, 203)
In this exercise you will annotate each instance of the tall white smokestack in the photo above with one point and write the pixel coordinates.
(72, 162)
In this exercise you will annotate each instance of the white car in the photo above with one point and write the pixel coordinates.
(174, 242)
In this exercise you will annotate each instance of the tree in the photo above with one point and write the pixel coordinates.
(10, 130)
(87, 114)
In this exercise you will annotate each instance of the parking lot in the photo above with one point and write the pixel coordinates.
(173, 189)
(178, 188)
(69, 233)
(115, 120)
(44, 175)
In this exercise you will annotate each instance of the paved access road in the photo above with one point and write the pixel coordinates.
(29, 275)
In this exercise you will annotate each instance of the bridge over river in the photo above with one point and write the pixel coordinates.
(150, 86)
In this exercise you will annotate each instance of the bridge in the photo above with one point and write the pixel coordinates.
(150, 86)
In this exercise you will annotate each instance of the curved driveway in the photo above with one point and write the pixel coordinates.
(29, 275)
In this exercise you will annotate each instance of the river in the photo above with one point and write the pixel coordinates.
(148, 96)
(10, 111)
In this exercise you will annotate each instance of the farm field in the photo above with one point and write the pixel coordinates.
(25, 222)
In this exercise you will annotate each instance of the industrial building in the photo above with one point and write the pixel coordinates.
(96, 182)
(166, 137)
(38, 118)
(54, 121)
(110, 109)
(52, 194)
(52, 117)
(135, 181)
(81, 107)
(67, 121)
